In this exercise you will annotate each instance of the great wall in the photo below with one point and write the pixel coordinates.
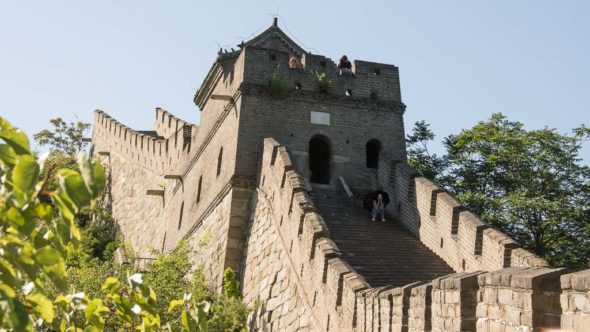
(240, 188)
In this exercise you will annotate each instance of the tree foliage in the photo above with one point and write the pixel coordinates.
(531, 184)
(54, 278)
(67, 139)
(419, 157)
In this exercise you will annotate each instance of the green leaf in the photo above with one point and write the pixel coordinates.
(100, 179)
(16, 313)
(24, 176)
(72, 184)
(42, 306)
(111, 284)
(16, 138)
(93, 175)
(65, 205)
(175, 304)
(7, 274)
(23, 220)
(44, 211)
(188, 321)
(94, 309)
(7, 154)
(62, 301)
(52, 263)
(90, 328)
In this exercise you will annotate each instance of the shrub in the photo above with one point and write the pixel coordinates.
(322, 82)
(277, 87)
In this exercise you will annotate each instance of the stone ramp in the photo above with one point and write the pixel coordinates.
(383, 253)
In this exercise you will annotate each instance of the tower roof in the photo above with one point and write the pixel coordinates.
(275, 38)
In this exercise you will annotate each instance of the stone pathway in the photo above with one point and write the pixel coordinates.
(384, 253)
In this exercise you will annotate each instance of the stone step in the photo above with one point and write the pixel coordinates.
(383, 253)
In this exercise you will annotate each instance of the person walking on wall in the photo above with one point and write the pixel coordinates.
(378, 208)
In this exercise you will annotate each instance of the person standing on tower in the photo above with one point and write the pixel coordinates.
(344, 65)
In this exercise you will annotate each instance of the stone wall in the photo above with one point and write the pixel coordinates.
(351, 127)
(368, 77)
(269, 280)
(575, 301)
(454, 233)
(139, 216)
(296, 275)
(168, 184)
(519, 299)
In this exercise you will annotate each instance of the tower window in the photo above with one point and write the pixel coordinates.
(373, 147)
(377, 71)
(323, 64)
(273, 57)
(348, 92)
(219, 159)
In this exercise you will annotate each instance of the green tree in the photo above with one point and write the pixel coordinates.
(428, 164)
(67, 139)
(171, 275)
(531, 184)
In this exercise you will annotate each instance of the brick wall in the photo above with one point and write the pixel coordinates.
(381, 79)
(523, 299)
(154, 184)
(575, 301)
(454, 233)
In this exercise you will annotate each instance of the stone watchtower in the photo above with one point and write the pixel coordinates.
(268, 184)
(339, 131)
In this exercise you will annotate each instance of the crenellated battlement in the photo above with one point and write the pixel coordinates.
(337, 298)
(453, 232)
(255, 66)
(155, 150)
(170, 127)
(368, 80)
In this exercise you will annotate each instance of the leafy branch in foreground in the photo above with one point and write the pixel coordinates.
(35, 239)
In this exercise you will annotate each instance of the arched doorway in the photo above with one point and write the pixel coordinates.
(319, 159)
(373, 148)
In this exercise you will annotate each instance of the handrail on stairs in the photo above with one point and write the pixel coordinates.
(345, 186)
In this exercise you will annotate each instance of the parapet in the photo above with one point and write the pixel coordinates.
(368, 80)
(167, 125)
(510, 297)
(156, 151)
(453, 232)
(253, 67)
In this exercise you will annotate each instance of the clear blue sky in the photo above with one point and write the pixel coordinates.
(460, 61)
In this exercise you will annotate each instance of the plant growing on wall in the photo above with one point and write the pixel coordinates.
(322, 82)
(277, 87)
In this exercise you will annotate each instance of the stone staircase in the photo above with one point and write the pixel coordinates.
(383, 253)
